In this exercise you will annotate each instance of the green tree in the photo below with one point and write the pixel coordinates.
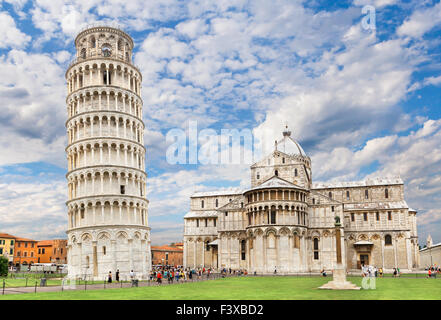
(3, 266)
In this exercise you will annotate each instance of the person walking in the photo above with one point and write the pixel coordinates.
(159, 277)
(109, 278)
(117, 275)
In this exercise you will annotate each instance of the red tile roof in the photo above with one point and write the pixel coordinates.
(6, 235)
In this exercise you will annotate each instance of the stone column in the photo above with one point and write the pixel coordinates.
(95, 258)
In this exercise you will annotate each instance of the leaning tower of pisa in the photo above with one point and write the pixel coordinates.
(107, 205)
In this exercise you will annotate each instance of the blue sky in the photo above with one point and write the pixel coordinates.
(362, 103)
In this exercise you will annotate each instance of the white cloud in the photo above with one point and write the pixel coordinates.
(421, 21)
(11, 36)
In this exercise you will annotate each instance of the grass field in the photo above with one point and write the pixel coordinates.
(250, 288)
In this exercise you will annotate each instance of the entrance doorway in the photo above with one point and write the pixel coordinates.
(364, 259)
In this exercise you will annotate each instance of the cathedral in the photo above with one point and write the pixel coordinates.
(285, 222)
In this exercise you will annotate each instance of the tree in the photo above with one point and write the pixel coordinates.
(3, 266)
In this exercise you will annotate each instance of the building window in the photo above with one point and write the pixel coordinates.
(386, 194)
(241, 204)
(313, 200)
(39, 250)
(273, 217)
(258, 176)
(352, 217)
(243, 249)
(206, 222)
(332, 208)
(226, 214)
(122, 189)
(202, 204)
(25, 254)
(207, 247)
(296, 241)
(197, 223)
(330, 195)
(283, 160)
(316, 248)
(365, 217)
(104, 250)
(276, 173)
(366, 194)
(348, 195)
(106, 49)
(12, 242)
(296, 172)
(18, 253)
(378, 216)
(217, 203)
(214, 221)
(389, 215)
(43, 251)
(388, 240)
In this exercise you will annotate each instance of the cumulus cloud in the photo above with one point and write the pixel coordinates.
(11, 36)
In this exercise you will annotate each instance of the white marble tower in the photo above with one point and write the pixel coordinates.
(107, 206)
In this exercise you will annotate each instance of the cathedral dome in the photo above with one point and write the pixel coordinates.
(288, 145)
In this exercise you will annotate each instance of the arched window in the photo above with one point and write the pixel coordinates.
(316, 248)
(106, 50)
(92, 42)
(243, 249)
(273, 216)
(283, 160)
(388, 240)
(83, 53)
(276, 173)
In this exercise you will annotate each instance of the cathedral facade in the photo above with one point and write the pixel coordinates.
(285, 222)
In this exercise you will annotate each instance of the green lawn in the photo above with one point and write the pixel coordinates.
(249, 288)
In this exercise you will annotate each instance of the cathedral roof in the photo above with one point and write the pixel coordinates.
(365, 183)
(225, 192)
(289, 146)
(201, 214)
(377, 205)
(275, 182)
(231, 205)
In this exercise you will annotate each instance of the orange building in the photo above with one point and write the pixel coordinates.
(25, 251)
(167, 255)
(52, 251)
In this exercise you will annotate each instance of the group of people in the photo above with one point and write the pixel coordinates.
(172, 274)
(369, 273)
(117, 276)
(433, 270)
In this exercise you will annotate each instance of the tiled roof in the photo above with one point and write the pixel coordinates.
(224, 192)
(7, 236)
(25, 239)
(364, 183)
(275, 182)
(166, 248)
(201, 214)
(377, 205)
